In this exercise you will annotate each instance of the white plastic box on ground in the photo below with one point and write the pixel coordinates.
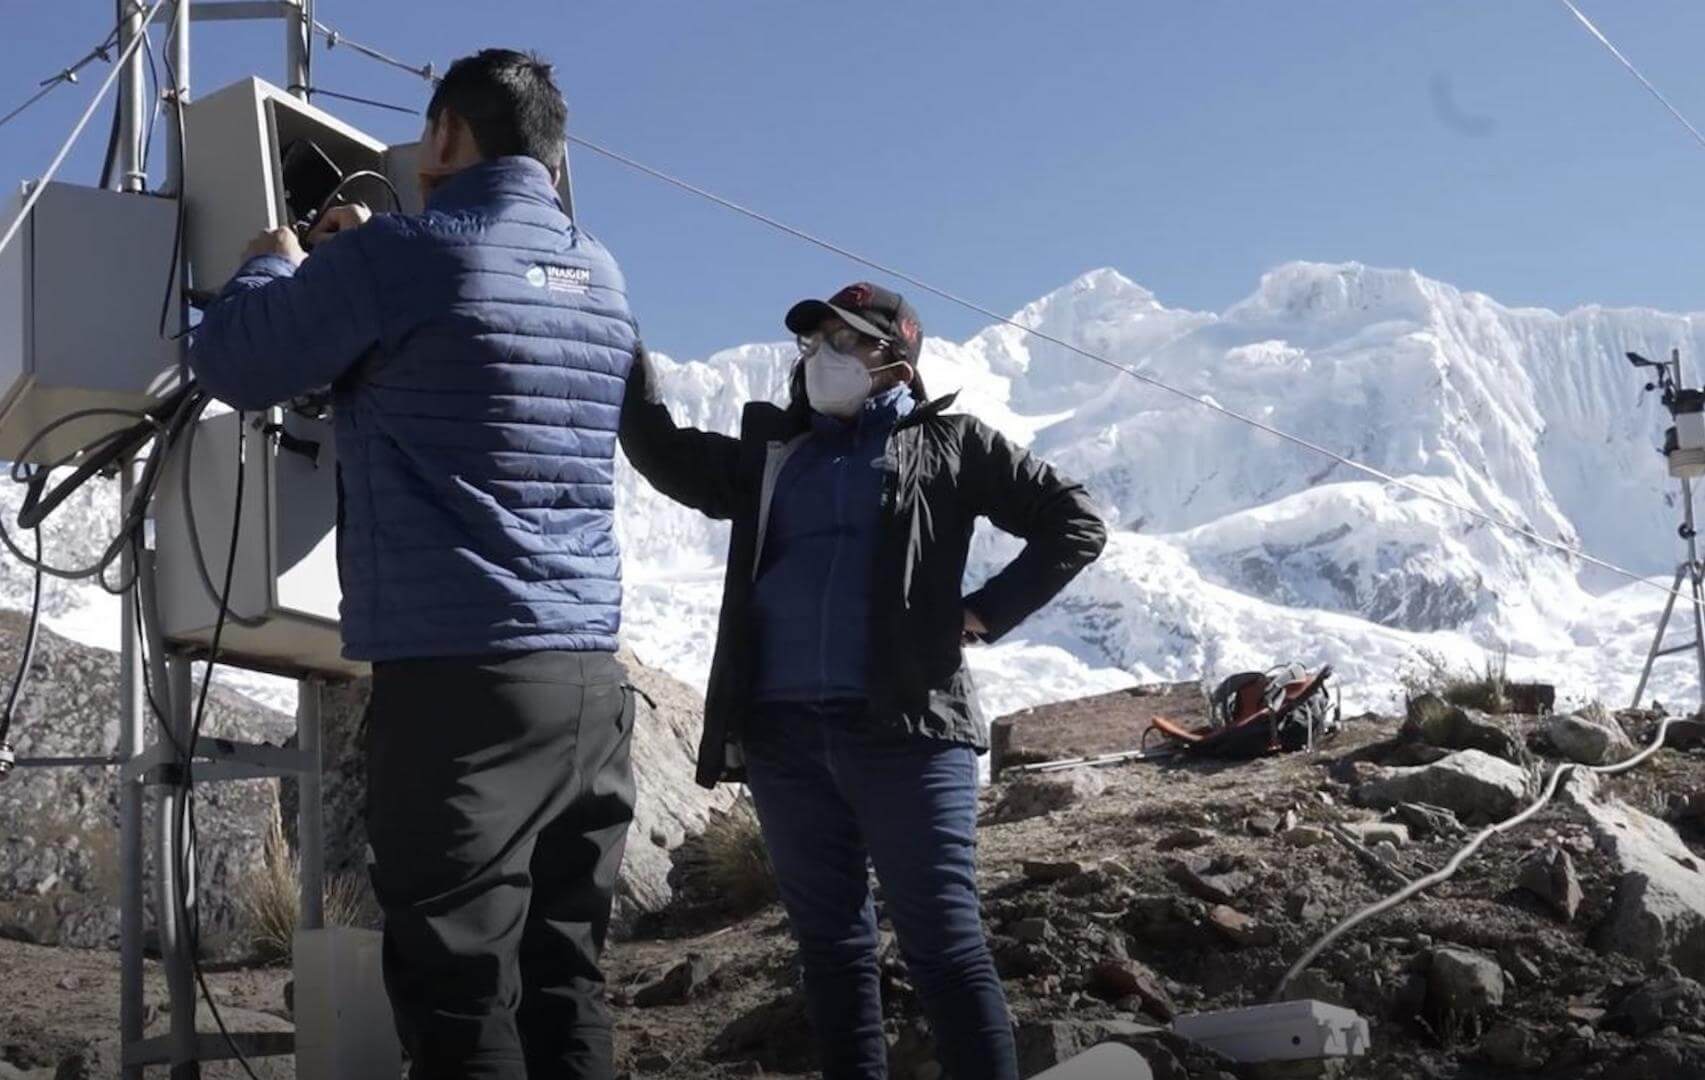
(1284, 1031)
(344, 1027)
(1110, 1061)
(285, 592)
(81, 291)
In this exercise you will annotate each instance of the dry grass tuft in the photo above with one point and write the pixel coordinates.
(271, 900)
(1486, 690)
(727, 863)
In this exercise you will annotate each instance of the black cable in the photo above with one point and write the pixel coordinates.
(186, 810)
(364, 101)
(360, 174)
(187, 494)
(104, 446)
(172, 274)
(29, 652)
(99, 455)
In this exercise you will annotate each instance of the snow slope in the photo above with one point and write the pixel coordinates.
(1231, 549)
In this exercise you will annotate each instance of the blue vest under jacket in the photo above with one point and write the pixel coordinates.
(811, 602)
(478, 355)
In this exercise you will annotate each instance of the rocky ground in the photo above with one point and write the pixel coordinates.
(1569, 947)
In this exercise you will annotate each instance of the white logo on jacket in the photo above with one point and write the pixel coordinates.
(563, 279)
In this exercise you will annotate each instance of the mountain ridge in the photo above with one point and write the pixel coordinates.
(1272, 552)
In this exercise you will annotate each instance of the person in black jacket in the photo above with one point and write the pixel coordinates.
(838, 690)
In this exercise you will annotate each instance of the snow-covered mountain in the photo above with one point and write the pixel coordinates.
(1232, 549)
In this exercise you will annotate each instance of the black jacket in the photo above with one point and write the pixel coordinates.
(944, 470)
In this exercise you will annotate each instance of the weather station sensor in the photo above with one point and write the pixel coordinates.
(1684, 444)
(1684, 455)
(283, 605)
(81, 292)
(259, 158)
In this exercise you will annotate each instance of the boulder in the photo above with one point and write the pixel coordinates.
(1312, 984)
(678, 985)
(1167, 920)
(1264, 824)
(1208, 881)
(1034, 794)
(1671, 999)
(1463, 982)
(1549, 874)
(1681, 1057)
(1657, 911)
(59, 868)
(1688, 734)
(1036, 870)
(1514, 1046)
(670, 805)
(1307, 836)
(1237, 928)
(1428, 821)
(1689, 808)
(1032, 929)
(1434, 721)
(776, 1035)
(1591, 737)
(1471, 783)
(1184, 839)
(1374, 833)
(1115, 980)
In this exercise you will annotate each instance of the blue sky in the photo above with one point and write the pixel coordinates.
(1001, 149)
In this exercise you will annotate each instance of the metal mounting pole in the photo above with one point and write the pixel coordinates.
(298, 40)
(175, 858)
(132, 102)
(130, 175)
(310, 827)
(132, 733)
(179, 98)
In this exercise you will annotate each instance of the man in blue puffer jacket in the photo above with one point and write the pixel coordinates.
(478, 355)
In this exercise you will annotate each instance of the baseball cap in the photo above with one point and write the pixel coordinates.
(869, 309)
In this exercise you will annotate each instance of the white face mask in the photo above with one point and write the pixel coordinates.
(837, 383)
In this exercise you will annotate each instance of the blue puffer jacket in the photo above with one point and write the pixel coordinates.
(478, 355)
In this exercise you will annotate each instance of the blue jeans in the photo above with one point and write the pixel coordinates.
(833, 796)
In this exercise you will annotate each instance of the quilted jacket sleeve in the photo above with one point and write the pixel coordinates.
(277, 332)
(1025, 496)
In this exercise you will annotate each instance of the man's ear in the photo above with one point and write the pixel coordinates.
(906, 375)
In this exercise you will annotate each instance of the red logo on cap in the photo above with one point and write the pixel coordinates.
(909, 330)
(853, 296)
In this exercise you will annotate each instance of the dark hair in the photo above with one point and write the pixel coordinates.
(511, 104)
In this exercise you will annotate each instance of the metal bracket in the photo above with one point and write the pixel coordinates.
(217, 759)
(158, 1050)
